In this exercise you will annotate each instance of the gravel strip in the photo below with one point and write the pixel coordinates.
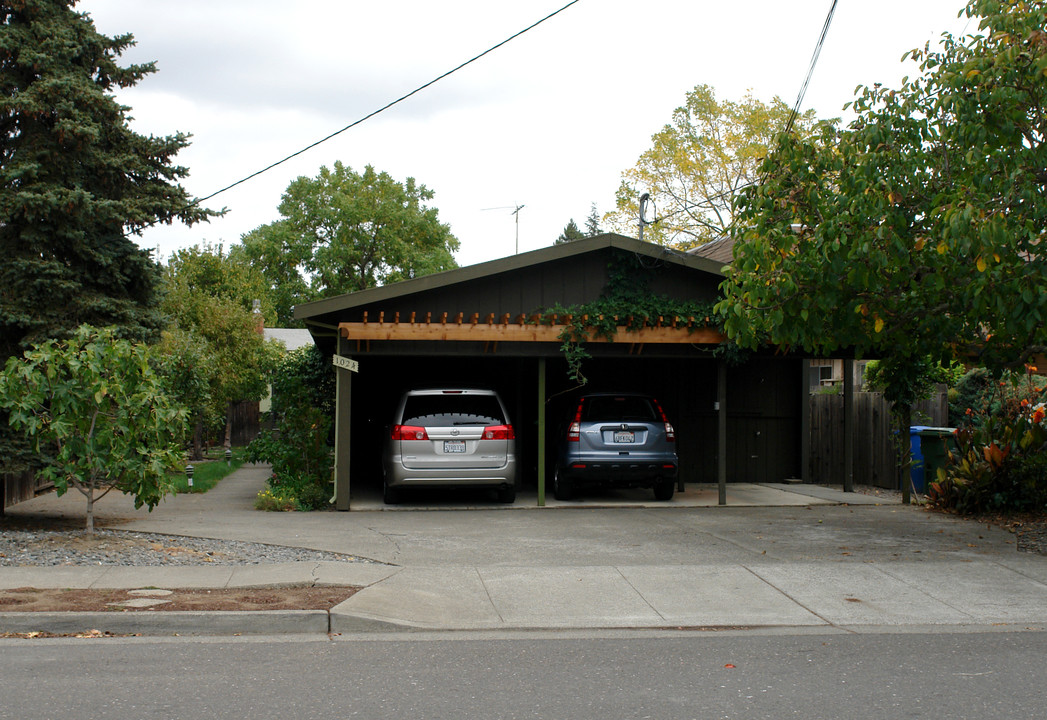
(20, 548)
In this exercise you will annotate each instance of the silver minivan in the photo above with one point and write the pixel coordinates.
(450, 437)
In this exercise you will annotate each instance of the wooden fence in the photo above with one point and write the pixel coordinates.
(875, 462)
(16, 487)
(244, 419)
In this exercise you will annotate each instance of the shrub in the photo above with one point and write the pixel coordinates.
(300, 420)
(1000, 463)
(274, 501)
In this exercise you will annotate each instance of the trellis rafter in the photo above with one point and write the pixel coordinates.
(528, 328)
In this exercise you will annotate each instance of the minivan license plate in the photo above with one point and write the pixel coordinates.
(454, 446)
(624, 436)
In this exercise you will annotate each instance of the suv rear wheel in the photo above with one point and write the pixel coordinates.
(664, 489)
(562, 488)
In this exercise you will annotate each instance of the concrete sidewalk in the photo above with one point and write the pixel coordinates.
(807, 557)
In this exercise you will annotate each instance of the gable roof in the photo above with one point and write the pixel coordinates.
(317, 309)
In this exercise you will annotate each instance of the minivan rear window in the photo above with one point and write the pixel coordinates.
(453, 410)
(618, 408)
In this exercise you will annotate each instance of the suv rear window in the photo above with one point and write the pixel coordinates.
(618, 408)
(451, 410)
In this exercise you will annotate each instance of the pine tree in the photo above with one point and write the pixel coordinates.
(75, 181)
(570, 233)
(592, 223)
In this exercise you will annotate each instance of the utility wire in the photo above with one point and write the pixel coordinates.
(383, 108)
(810, 70)
(792, 116)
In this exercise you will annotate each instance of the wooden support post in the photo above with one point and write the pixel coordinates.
(342, 417)
(848, 425)
(721, 430)
(541, 432)
(805, 421)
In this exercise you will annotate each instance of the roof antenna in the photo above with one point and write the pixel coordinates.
(516, 211)
(645, 201)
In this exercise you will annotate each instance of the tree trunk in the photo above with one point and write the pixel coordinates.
(903, 413)
(90, 512)
(198, 439)
(229, 426)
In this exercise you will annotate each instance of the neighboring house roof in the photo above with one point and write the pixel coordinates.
(720, 250)
(292, 338)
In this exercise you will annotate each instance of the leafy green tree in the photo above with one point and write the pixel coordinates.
(281, 257)
(94, 404)
(915, 233)
(185, 363)
(698, 163)
(207, 295)
(570, 233)
(75, 180)
(209, 269)
(348, 231)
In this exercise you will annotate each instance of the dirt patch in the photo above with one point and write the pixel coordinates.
(149, 600)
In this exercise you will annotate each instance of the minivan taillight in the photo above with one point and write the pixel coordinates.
(409, 432)
(499, 432)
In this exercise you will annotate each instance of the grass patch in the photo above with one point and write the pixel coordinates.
(207, 472)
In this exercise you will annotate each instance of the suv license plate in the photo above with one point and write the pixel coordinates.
(454, 446)
(623, 436)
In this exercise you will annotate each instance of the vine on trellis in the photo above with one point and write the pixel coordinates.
(626, 301)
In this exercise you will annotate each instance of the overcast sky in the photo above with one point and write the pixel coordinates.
(548, 121)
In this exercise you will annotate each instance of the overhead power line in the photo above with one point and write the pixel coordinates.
(810, 70)
(384, 107)
(792, 116)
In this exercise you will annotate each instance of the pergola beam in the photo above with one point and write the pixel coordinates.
(495, 332)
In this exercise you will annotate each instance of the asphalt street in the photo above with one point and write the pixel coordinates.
(583, 676)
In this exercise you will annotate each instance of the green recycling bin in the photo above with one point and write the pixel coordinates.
(935, 443)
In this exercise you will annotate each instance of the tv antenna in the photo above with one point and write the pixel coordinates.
(516, 211)
(646, 202)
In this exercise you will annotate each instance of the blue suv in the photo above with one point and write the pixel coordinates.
(617, 440)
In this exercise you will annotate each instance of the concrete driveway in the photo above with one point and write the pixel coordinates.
(806, 557)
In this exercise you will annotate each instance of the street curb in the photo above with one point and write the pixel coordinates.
(173, 622)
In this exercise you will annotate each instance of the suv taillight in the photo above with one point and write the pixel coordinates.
(670, 433)
(409, 432)
(574, 430)
(499, 432)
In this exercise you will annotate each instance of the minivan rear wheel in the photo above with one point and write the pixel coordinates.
(390, 495)
(507, 494)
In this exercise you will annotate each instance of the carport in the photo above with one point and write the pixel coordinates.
(496, 325)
